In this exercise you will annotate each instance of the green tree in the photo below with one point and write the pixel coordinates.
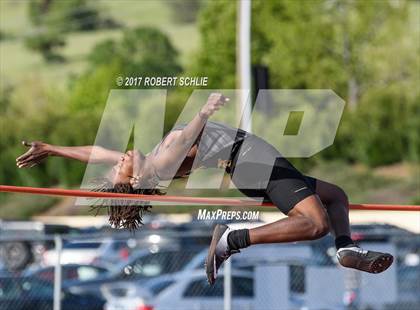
(53, 18)
(217, 58)
(68, 15)
(47, 44)
(103, 52)
(185, 11)
(142, 51)
(359, 49)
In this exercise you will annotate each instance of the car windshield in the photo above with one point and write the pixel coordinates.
(155, 264)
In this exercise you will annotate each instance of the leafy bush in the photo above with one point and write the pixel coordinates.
(185, 11)
(6, 36)
(387, 128)
(142, 51)
(46, 43)
(68, 15)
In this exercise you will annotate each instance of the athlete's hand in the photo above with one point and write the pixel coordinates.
(37, 152)
(215, 101)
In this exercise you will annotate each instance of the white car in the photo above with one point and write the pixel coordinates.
(77, 252)
(181, 291)
(127, 296)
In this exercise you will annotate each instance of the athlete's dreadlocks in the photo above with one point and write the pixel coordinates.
(124, 213)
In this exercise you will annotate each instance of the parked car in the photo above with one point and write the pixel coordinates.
(142, 265)
(377, 232)
(123, 293)
(68, 272)
(23, 242)
(22, 293)
(173, 236)
(194, 292)
(127, 296)
(181, 291)
(75, 252)
(115, 250)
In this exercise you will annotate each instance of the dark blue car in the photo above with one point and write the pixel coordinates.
(22, 293)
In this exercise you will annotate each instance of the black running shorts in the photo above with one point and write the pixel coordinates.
(284, 187)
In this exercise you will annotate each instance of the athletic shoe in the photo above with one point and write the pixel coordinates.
(219, 251)
(353, 256)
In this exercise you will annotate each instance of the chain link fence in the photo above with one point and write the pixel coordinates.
(163, 269)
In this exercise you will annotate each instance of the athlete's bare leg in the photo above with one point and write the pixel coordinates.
(308, 220)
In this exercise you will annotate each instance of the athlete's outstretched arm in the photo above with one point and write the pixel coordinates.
(39, 151)
(180, 143)
(190, 133)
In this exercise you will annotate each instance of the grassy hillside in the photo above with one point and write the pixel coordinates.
(19, 63)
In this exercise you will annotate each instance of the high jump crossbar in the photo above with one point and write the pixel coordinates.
(180, 199)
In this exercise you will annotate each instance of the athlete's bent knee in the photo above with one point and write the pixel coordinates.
(317, 217)
(318, 231)
(320, 227)
(321, 230)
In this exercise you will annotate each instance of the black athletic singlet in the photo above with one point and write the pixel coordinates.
(248, 158)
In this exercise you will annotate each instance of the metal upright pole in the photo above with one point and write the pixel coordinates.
(244, 62)
(227, 284)
(57, 272)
